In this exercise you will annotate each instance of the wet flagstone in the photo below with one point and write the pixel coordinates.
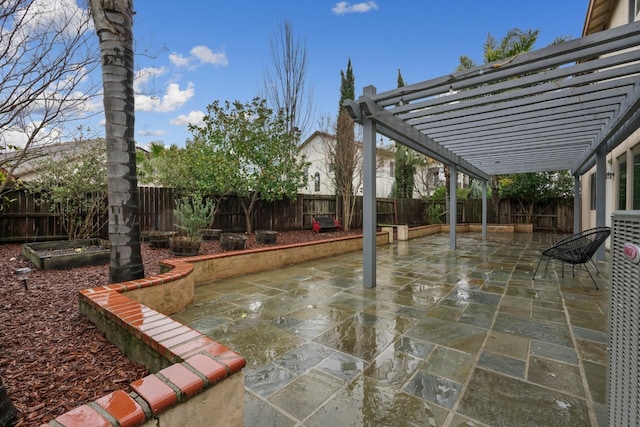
(465, 331)
(534, 328)
(502, 364)
(306, 393)
(448, 363)
(342, 366)
(362, 341)
(268, 379)
(498, 400)
(556, 375)
(258, 344)
(555, 352)
(435, 389)
(392, 367)
(597, 379)
(367, 402)
(462, 337)
(592, 351)
(258, 412)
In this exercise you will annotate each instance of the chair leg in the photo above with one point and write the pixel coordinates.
(594, 264)
(586, 266)
(536, 271)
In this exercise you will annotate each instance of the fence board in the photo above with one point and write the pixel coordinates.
(26, 220)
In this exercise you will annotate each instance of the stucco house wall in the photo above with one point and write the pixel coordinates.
(624, 159)
(320, 172)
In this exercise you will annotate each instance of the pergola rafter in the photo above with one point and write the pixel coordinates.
(558, 108)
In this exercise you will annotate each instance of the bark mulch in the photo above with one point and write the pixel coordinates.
(52, 358)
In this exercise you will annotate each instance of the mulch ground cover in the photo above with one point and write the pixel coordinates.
(52, 358)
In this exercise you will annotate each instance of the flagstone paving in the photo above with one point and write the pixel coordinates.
(447, 338)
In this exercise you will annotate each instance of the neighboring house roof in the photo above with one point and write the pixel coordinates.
(382, 151)
(28, 168)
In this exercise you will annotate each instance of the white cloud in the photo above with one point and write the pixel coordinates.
(178, 60)
(344, 7)
(173, 98)
(151, 132)
(206, 56)
(199, 55)
(194, 118)
(144, 75)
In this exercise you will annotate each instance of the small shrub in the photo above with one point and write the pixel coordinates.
(194, 215)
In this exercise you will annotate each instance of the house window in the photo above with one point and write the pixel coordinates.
(593, 191)
(306, 177)
(316, 181)
(392, 169)
(622, 182)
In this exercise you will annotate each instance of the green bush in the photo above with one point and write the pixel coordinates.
(193, 215)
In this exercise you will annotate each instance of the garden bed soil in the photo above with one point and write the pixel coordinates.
(52, 358)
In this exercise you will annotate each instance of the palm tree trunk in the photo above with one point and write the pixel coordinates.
(113, 20)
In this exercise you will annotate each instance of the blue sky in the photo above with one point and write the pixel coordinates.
(194, 53)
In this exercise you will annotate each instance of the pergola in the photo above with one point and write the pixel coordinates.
(563, 107)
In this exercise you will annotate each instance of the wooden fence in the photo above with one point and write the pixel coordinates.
(25, 220)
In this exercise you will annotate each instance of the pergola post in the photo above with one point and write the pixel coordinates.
(453, 205)
(601, 200)
(484, 209)
(577, 209)
(369, 213)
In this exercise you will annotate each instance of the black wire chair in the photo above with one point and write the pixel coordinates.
(576, 250)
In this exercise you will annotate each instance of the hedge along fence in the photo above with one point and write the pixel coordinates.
(24, 220)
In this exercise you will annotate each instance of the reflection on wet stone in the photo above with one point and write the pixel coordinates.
(498, 400)
(303, 358)
(342, 366)
(268, 379)
(378, 405)
(323, 351)
(434, 389)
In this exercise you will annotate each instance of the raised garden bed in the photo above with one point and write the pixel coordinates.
(67, 254)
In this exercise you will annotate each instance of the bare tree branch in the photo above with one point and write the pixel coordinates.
(285, 84)
(47, 54)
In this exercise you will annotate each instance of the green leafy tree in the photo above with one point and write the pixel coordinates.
(74, 185)
(255, 154)
(196, 169)
(113, 22)
(541, 188)
(405, 166)
(513, 43)
(148, 163)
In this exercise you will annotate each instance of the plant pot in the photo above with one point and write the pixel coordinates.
(232, 241)
(266, 236)
(210, 233)
(160, 239)
(184, 246)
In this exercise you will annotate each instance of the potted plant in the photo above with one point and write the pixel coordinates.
(191, 216)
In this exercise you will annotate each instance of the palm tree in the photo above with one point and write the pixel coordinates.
(513, 43)
(113, 21)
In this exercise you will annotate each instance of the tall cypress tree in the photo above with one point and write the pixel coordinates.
(405, 165)
(345, 151)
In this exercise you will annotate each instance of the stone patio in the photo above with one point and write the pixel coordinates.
(462, 338)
